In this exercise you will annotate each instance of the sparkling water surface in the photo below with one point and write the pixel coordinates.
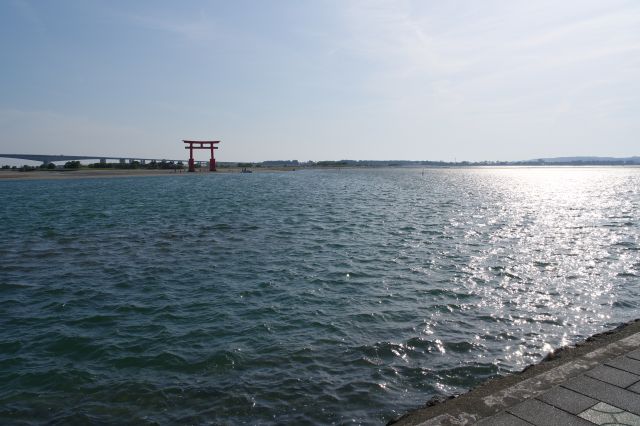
(305, 297)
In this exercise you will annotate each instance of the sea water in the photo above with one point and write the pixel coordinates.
(305, 297)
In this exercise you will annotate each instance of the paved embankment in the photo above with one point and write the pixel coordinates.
(597, 381)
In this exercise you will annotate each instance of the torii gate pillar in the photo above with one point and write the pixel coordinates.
(212, 161)
(201, 145)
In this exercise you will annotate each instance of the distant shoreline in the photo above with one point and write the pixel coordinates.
(88, 173)
(116, 173)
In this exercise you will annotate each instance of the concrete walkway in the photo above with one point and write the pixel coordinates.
(597, 382)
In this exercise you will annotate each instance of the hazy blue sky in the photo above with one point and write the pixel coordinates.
(475, 80)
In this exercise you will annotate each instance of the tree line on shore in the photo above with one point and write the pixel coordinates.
(74, 165)
(151, 165)
(171, 165)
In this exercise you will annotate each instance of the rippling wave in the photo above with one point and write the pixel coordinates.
(306, 297)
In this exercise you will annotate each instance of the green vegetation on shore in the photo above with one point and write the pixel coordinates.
(172, 165)
(151, 165)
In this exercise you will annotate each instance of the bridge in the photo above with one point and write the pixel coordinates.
(46, 159)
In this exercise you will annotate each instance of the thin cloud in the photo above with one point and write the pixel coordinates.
(412, 58)
(198, 28)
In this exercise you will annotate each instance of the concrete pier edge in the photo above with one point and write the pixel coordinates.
(501, 393)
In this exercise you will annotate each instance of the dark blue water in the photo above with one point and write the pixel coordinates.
(301, 297)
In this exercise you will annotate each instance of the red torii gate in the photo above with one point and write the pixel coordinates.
(191, 147)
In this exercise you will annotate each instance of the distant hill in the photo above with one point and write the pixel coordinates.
(590, 160)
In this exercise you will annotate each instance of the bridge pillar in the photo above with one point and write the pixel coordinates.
(103, 161)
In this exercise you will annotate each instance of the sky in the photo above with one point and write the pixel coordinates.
(321, 80)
